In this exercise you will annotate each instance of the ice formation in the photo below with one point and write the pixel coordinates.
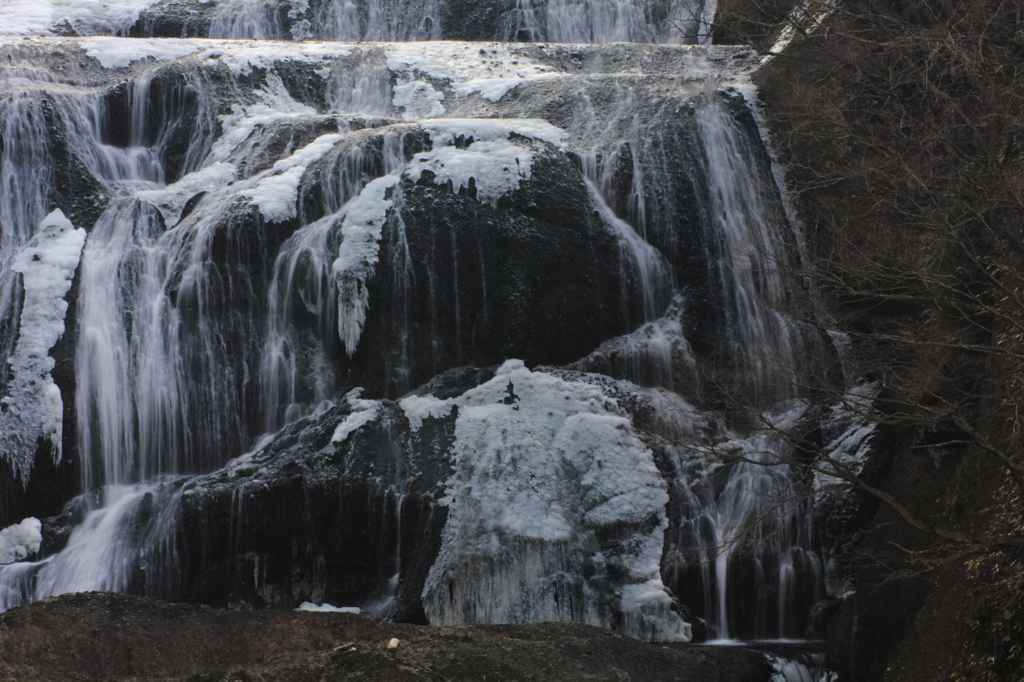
(444, 131)
(493, 163)
(33, 410)
(241, 57)
(492, 69)
(361, 229)
(555, 509)
(20, 540)
(117, 53)
(545, 470)
(275, 194)
(171, 200)
(851, 430)
(363, 412)
(418, 100)
(34, 17)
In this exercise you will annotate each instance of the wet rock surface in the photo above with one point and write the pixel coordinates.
(112, 637)
(318, 520)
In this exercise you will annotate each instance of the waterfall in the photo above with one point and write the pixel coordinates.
(739, 496)
(754, 259)
(463, 305)
(652, 271)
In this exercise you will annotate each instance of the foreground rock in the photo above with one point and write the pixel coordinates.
(108, 636)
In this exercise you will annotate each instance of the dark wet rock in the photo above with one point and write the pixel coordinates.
(278, 140)
(470, 20)
(74, 189)
(308, 519)
(655, 355)
(454, 382)
(174, 19)
(536, 277)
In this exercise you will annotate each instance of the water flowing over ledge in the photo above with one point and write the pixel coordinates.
(562, 21)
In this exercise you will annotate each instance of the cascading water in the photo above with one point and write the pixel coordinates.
(745, 205)
(276, 224)
(748, 534)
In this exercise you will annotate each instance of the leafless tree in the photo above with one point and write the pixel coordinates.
(901, 122)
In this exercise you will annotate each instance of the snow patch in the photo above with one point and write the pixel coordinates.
(417, 408)
(493, 89)
(494, 163)
(20, 540)
(850, 428)
(26, 17)
(117, 53)
(419, 100)
(494, 168)
(33, 408)
(277, 193)
(363, 412)
(328, 608)
(491, 69)
(807, 16)
(443, 131)
(36, 17)
(239, 56)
